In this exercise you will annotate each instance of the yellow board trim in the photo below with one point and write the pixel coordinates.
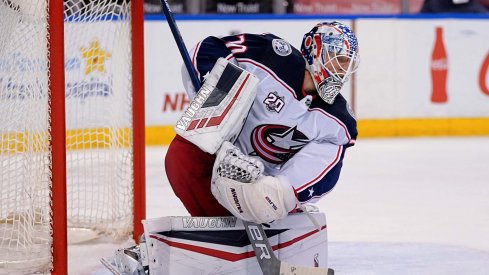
(99, 138)
(373, 128)
(159, 135)
(423, 127)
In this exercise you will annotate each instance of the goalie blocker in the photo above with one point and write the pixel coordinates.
(219, 109)
(219, 245)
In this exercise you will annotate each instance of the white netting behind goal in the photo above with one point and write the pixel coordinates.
(98, 115)
(98, 121)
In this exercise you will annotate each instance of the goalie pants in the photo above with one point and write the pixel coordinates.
(189, 171)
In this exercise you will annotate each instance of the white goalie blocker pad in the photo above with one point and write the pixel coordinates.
(220, 107)
(219, 245)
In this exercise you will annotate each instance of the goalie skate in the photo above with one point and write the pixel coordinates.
(126, 261)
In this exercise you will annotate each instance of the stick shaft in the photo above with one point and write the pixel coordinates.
(181, 45)
(267, 260)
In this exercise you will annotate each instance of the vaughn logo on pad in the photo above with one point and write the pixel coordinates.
(212, 222)
(218, 111)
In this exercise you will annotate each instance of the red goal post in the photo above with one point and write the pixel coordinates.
(71, 127)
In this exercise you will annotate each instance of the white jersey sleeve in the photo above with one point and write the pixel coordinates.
(314, 170)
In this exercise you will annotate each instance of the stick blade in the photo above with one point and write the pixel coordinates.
(288, 269)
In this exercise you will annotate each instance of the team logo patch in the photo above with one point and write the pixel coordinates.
(281, 47)
(274, 102)
(277, 143)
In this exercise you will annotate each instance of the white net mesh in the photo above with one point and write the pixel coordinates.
(24, 116)
(98, 115)
(98, 120)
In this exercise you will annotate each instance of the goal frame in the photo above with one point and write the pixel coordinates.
(59, 244)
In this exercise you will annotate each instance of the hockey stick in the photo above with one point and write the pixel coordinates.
(269, 263)
(180, 44)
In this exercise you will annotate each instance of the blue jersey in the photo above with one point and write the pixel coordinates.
(300, 138)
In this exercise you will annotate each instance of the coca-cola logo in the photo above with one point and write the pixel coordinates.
(439, 64)
(483, 75)
(439, 69)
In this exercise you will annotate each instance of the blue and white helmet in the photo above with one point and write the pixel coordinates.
(331, 53)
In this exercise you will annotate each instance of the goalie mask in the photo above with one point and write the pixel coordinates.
(331, 53)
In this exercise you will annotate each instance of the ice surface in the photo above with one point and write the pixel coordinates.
(402, 206)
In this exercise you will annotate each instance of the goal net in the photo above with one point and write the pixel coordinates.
(98, 71)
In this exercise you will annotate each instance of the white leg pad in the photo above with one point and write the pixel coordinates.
(219, 245)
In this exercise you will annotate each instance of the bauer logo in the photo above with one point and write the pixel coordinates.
(221, 222)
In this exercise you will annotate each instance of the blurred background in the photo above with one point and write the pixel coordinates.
(303, 6)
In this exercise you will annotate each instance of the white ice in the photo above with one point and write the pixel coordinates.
(402, 206)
